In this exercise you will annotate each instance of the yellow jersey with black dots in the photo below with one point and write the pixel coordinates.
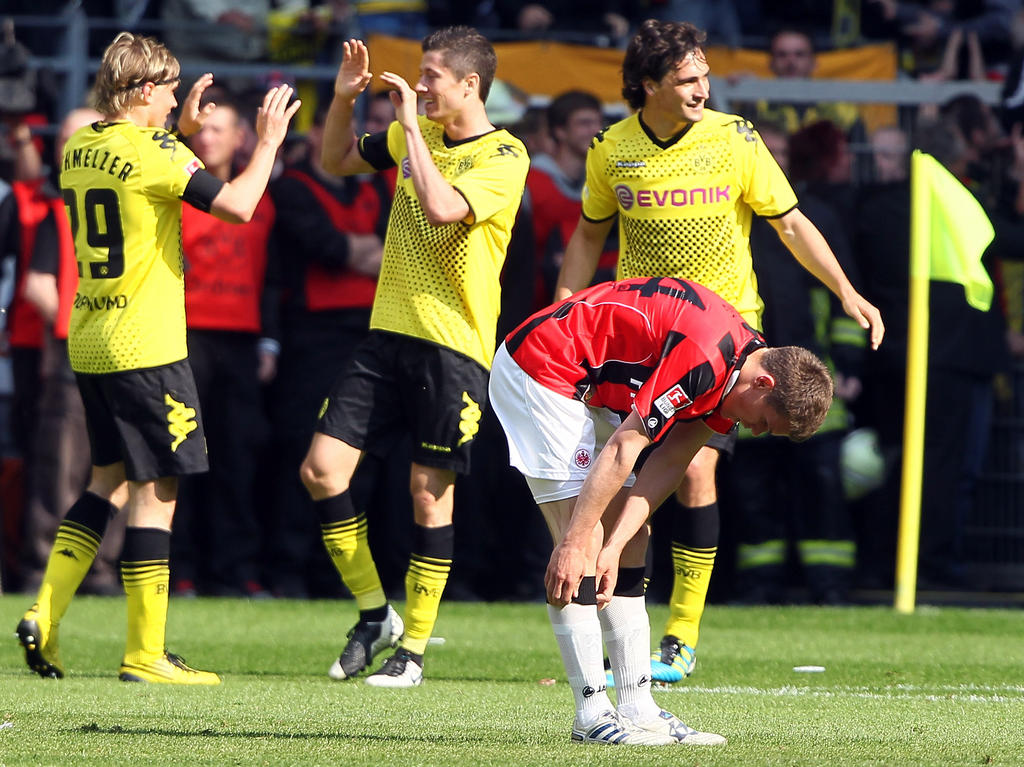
(441, 283)
(685, 203)
(122, 188)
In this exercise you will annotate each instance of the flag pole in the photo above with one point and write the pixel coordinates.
(916, 388)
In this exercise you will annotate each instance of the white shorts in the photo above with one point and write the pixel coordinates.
(552, 439)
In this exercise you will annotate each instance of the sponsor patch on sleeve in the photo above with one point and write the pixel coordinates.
(671, 401)
(192, 167)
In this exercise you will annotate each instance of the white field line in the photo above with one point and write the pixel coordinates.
(970, 693)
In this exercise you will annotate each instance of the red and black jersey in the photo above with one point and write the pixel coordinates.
(668, 348)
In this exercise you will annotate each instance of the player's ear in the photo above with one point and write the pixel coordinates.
(764, 381)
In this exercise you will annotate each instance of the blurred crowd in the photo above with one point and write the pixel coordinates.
(275, 306)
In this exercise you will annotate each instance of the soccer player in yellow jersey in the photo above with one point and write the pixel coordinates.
(684, 181)
(422, 370)
(123, 180)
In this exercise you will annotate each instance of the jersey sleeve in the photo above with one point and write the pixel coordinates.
(495, 182)
(169, 165)
(766, 190)
(599, 201)
(375, 149)
(684, 387)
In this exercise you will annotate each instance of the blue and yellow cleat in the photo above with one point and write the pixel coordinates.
(673, 662)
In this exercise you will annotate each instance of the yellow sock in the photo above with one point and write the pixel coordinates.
(689, 591)
(349, 549)
(74, 549)
(424, 584)
(146, 586)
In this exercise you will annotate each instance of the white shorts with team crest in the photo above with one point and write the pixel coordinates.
(552, 439)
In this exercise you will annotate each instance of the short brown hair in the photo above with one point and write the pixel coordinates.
(130, 62)
(803, 388)
(465, 51)
(655, 50)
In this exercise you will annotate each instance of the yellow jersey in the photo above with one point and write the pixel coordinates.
(685, 203)
(122, 188)
(441, 283)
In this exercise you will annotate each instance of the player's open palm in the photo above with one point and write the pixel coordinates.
(354, 71)
(273, 116)
(192, 117)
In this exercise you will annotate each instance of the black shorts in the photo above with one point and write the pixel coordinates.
(397, 384)
(147, 418)
(724, 443)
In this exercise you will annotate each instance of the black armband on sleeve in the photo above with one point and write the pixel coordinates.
(201, 190)
(373, 147)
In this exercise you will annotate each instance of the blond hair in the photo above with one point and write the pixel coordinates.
(130, 62)
(803, 388)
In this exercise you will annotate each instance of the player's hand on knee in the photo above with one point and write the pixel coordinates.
(563, 576)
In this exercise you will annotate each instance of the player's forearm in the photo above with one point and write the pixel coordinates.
(339, 139)
(440, 202)
(809, 247)
(635, 513)
(611, 470)
(237, 200)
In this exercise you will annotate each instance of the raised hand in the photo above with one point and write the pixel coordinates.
(403, 98)
(273, 116)
(354, 70)
(192, 118)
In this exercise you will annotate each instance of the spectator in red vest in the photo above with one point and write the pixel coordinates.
(216, 544)
(555, 184)
(329, 236)
(60, 468)
(23, 337)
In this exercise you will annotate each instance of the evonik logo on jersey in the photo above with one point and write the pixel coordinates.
(671, 198)
(672, 400)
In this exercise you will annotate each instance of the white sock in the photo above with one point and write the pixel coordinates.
(578, 633)
(627, 634)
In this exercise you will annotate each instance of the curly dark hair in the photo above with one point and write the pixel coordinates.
(655, 50)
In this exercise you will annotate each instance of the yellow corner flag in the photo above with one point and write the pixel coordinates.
(949, 232)
(958, 230)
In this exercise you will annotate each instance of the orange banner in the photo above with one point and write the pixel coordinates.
(546, 68)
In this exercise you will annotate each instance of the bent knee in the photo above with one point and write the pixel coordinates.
(320, 479)
(698, 485)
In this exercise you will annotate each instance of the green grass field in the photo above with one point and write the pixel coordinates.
(942, 687)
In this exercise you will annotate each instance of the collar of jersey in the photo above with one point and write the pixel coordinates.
(450, 142)
(663, 143)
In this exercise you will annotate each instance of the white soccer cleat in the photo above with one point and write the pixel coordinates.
(612, 730)
(669, 724)
(403, 669)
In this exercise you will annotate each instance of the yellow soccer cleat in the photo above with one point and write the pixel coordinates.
(167, 669)
(39, 640)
